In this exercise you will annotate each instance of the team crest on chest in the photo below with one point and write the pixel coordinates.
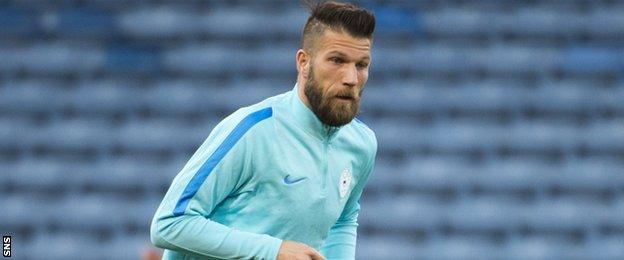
(345, 182)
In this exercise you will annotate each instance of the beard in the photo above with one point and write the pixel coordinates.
(327, 108)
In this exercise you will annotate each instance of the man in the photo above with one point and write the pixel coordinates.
(281, 179)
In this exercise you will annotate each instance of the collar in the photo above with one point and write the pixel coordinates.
(305, 118)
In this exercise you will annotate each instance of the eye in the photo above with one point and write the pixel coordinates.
(362, 65)
(336, 60)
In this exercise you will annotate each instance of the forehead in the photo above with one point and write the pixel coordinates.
(332, 41)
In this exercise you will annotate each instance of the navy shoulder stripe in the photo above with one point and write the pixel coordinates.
(204, 171)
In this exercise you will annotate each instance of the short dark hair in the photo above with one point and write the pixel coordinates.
(341, 17)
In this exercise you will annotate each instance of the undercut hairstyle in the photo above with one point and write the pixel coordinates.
(340, 17)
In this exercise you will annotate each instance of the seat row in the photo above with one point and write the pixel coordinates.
(112, 96)
(405, 214)
(392, 247)
(58, 58)
(242, 20)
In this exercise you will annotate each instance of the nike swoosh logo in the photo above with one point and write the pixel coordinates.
(289, 181)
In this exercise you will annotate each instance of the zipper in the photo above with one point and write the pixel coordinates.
(326, 159)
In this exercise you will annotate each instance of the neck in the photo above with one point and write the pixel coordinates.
(307, 119)
(301, 92)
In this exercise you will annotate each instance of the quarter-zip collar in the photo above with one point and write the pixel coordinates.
(305, 118)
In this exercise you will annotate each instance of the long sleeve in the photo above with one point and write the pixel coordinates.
(340, 243)
(217, 170)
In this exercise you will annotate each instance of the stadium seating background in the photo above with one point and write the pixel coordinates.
(500, 123)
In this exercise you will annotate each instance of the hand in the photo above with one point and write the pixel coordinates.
(291, 250)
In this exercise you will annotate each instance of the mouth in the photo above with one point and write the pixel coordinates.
(345, 97)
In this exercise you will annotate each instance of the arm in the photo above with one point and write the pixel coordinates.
(340, 243)
(218, 168)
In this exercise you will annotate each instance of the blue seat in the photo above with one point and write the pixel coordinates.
(271, 59)
(67, 245)
(486, 214)
(564, 96)
(60, 57)
(13, 131)
(255, 92)
(387, 60)
(142, 216)
(16, 21)
(385, 178)
(563, 214)
(512, 60)
(31, 96)
(606, 135)
(534, 248)
(618, 93)
(402, 21)
(181, 97)
(402, 213)
(543, 21)
(609, 247)
(16, 210)
(436, 173)
(210, 59)
(592, 173)
(613, 214)
(461, 248)
(239, 22)
(137, 58)
(75, 134)
(398, 135)
(86, 21)
(159, 22)
(124, 174)
(611, 97)
(156, 135)
(440, 59)
(202, 59)
(408, 96)
(454, 21)
(489, 95)
(85, 212)
(38, 174)
(590, 60)
(385, 247)
(516, 174)
(129, 247)
(541, 135)
(105, 97)
(289, 22)
(606, 21)
(464, 135)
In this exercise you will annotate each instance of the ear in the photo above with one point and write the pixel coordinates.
(303, 60)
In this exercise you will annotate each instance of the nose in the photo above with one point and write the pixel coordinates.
(350, 76)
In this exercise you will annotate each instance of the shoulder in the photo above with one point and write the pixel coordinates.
(363, 136)
(366, 130)
(366, 133)
(251, 119)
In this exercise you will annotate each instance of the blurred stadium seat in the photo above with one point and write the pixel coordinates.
(500, 123)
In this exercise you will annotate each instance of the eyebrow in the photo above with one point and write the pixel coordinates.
(367, 58)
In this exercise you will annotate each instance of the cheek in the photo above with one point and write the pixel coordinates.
(328, 94)
(326, 82)
(364, 75)
(363, 78)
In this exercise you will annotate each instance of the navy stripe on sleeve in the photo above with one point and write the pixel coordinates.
(227, 144)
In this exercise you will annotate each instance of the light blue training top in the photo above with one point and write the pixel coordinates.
(266, 173)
